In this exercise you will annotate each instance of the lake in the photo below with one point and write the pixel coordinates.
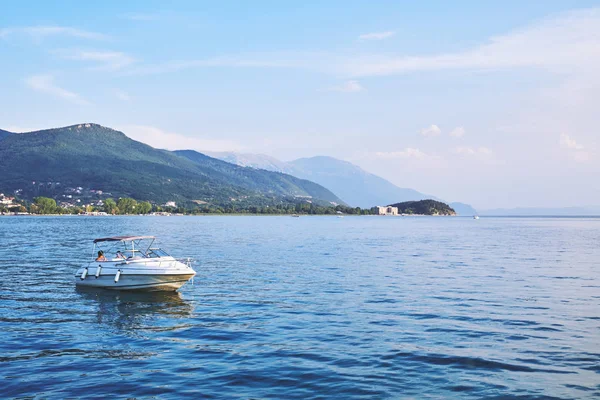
(310, 307)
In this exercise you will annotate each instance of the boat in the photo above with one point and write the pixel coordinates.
(137, 265)
(475, 216)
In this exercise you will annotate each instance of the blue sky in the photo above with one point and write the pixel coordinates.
(494, 104)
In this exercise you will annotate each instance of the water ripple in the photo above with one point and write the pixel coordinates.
(307, 308)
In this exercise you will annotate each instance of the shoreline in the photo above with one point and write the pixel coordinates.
(300, 215)
(228, 215)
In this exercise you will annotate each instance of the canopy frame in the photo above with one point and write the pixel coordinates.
(133, 240)
(122, 238)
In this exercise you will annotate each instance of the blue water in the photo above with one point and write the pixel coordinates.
(311, 307)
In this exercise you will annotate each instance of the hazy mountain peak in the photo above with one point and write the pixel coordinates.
(324, 159)
(544, 211)
(261, 161)
(348, 181)
(4, 134)
(326, 164)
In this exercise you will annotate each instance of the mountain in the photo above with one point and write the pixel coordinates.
(463, 209)
(348, 181)
(540, 211)
(424, 207)
(260, 161)
(263, 180)
(5, 134)
(96, 157)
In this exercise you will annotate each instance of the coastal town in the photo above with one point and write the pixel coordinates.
(66, 197)
(73, 200)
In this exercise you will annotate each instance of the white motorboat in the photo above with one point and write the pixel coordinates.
(136, 265)
(475, 216)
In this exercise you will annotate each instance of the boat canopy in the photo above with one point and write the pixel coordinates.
(122, 238)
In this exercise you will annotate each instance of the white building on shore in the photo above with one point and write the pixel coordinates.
(387, 210)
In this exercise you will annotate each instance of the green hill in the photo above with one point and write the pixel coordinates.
(96, 157)
(424, 207)
(251, 178)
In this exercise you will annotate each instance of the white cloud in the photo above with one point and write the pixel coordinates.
(430, 131)
(479, 153)
(347, 87)
(158, 138)
(567, 142)
(296, 60)
(581, 156)
(122, 95)
(575, 149)
(40, 32)
(45, 84)
(377, 35)
(563, 43)
(409, 152)
(472, 150)
(140, 17)
(106, 60)
(458, 132)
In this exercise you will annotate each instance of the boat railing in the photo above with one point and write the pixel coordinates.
(144, 261)
(187, 261)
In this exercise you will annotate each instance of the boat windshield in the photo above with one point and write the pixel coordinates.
(127, 248)
(156, 253)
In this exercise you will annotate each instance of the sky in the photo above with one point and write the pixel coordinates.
(495, 104)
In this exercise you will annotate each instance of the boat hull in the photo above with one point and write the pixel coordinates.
(138, 282)
(165, 274)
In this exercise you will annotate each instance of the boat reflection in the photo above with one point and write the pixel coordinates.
(138, 312)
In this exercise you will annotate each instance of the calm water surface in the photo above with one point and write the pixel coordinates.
(311, 307)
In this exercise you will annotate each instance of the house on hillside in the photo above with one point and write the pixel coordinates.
(6, 201)
(387, 210)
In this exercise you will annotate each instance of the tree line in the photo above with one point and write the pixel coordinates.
(128, 206)
(46, 206)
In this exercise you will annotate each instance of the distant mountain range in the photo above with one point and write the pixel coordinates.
(261, 161)
(540, 211)
(98, 157)
(351, 183)
(463, 209)
(4, 134)
(93, 156)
